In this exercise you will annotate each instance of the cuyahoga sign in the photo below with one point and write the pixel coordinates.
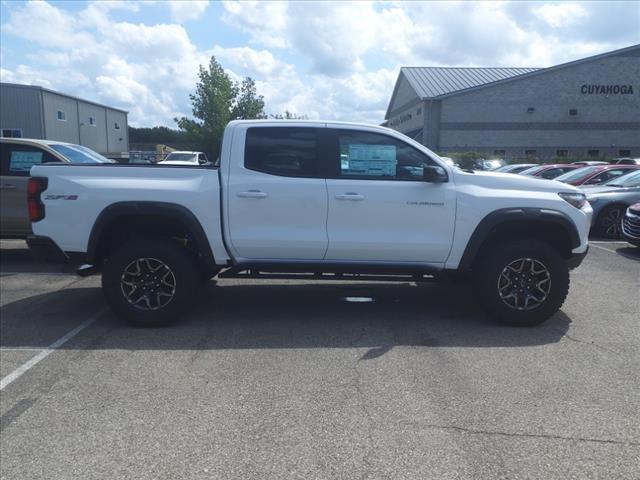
(606, 89)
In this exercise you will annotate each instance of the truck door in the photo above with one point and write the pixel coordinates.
(380, 208)
(276, 196)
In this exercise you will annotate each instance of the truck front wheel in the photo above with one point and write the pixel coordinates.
(150, 282)
(522, 283)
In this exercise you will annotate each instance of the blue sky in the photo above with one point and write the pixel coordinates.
(334, 60)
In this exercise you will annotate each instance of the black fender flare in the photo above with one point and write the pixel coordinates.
(133, 208)
(505, 215)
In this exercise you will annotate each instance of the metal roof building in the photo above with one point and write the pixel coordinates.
(36, 112)
(589, 107)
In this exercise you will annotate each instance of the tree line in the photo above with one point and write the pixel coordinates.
(217, 100)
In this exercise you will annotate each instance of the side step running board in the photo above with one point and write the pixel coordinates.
(251, 273)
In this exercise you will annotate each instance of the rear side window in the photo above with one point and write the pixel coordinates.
(283, 151)
(17, 160)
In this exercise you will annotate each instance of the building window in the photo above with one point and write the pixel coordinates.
(12, 132)
(531, 110)
(562, 153)
(92, 121)
(624, 153)
(116, 126)
(530, 153)
(573, 112)
(419, 112)
(499, 153)
(62, 115)
(593, 153)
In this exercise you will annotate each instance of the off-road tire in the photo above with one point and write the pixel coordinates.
(185, 278)
(495, 259)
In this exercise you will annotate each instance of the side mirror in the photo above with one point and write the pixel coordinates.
(434, 174)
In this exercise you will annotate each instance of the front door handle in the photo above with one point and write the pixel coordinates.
(350, 196)
(252, 194)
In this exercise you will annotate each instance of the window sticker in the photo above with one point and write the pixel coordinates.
(23, 161)
(370, 160)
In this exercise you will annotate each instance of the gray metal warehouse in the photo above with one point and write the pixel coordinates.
(585, 108)
(35, 112)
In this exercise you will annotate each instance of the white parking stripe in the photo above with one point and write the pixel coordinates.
(602, 248)
(20, 349)
(18, 372)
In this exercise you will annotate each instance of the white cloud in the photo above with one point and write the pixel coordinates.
(561, 14)
(333, 60)
(185, 10)
(44, 24)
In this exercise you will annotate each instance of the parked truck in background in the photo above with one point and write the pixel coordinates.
(319, 200)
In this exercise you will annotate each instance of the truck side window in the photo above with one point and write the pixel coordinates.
(376, 156)
(284, 151)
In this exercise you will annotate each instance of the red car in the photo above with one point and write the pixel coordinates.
(549, 171)
(595, 174)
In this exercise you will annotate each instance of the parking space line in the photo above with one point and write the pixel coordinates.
(18, 372)
(20, 349)
(602, 248)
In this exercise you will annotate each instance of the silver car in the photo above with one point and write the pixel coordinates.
(609, 202)
(17, 156)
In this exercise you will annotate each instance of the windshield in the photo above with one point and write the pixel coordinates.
(183, 157)
(628, 180)
(79, 154)
(576, 174)
(532, 170)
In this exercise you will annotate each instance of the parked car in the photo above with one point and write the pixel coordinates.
(289, 209)
(488, 165)
(590, 162)
(609, 202)
(515, 167)
(185, 158)
(595, 175)
(548, 171)
(626, 161)
(631, 225)
(17, 156)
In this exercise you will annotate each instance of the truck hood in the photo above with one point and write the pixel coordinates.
(510, 181)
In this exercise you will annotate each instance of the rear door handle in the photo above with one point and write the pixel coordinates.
(7, 186)
(252, 194)
(350, 196)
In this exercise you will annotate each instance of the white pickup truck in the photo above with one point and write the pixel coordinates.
(310, 200)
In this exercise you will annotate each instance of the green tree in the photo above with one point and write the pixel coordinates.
(289, 116)
(218, 100)
(248, 104)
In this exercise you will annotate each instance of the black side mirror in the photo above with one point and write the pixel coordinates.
(434, 174)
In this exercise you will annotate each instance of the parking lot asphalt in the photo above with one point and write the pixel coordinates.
(308, 380)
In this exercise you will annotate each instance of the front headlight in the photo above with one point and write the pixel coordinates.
(574, 198)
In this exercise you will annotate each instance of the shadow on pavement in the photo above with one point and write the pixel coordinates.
(16, 258)
(379, 316)
(629, 252)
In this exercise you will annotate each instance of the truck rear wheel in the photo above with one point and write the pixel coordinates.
(150, 282)
(522, 283)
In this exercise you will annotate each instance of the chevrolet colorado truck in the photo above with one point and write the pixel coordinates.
(310, 200)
